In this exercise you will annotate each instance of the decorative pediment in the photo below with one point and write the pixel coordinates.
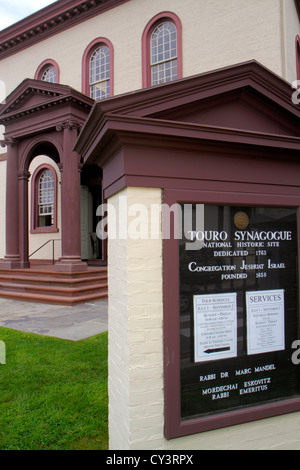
(242, 109)
(33, 96)
(245, 103)
(28, 96)
(247, 96)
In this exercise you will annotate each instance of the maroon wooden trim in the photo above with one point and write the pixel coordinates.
(70, 260)
(198, 131)
(118, 186)
(36, 105)
(174, 426)
(12, 256)
(44, 230)
(43, 66)
(57, 17)
(153, 100)
(3, 157)
(146, 67)
(141, 112)
(34, 227)
(211, 188)
(86, 62)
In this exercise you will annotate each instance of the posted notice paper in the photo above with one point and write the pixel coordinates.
(265, 321)
(215, 326)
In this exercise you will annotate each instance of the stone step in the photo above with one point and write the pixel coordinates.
(52, 299)
(48, 286)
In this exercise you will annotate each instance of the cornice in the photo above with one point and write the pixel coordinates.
(18, 104)
(57, 17)
(4, 120)
(149, 101)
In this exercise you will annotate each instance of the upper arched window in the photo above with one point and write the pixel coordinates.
(97, 69)
(49, 75)
(162, 50)
(99, 77)
(48, 71)
(163, 47)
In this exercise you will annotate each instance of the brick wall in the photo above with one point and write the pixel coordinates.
(135, 330)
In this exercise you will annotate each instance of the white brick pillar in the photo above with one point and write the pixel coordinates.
(136, 401)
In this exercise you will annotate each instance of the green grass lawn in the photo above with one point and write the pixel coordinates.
(53, 393)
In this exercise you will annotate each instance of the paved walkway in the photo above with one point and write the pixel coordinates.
(72, 323)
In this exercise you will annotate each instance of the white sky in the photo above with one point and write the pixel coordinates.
(12, 11)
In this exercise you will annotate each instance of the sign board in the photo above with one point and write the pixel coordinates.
(238, 307)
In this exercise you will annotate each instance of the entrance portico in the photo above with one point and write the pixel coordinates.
(43, 117)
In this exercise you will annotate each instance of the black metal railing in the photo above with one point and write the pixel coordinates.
(53, 240)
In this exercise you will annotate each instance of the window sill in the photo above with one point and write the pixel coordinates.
(44, 230)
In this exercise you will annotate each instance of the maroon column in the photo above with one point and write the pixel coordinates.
(23, 177)
(12, 257)
(70, 260)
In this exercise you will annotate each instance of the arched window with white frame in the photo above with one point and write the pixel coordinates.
(46, 186)
(162, 50)
(164, 55)
(48, 71)
(44, 200)
(99, 76)
(97, 69)
(49, 75)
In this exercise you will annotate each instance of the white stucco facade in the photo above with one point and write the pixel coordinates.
(213, 37)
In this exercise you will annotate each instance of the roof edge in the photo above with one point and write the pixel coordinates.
(150, 102)
(137, 102)
(52, 93)
(49, 21)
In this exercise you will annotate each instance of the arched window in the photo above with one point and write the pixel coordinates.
(99, 77)
(44, 200)
(49, 75)
(48, 71)
(162, 50)
(97, 69)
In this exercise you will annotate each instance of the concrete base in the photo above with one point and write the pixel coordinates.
(70, 266)
(10, 263)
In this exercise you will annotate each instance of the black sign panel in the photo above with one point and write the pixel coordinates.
(238, 307)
